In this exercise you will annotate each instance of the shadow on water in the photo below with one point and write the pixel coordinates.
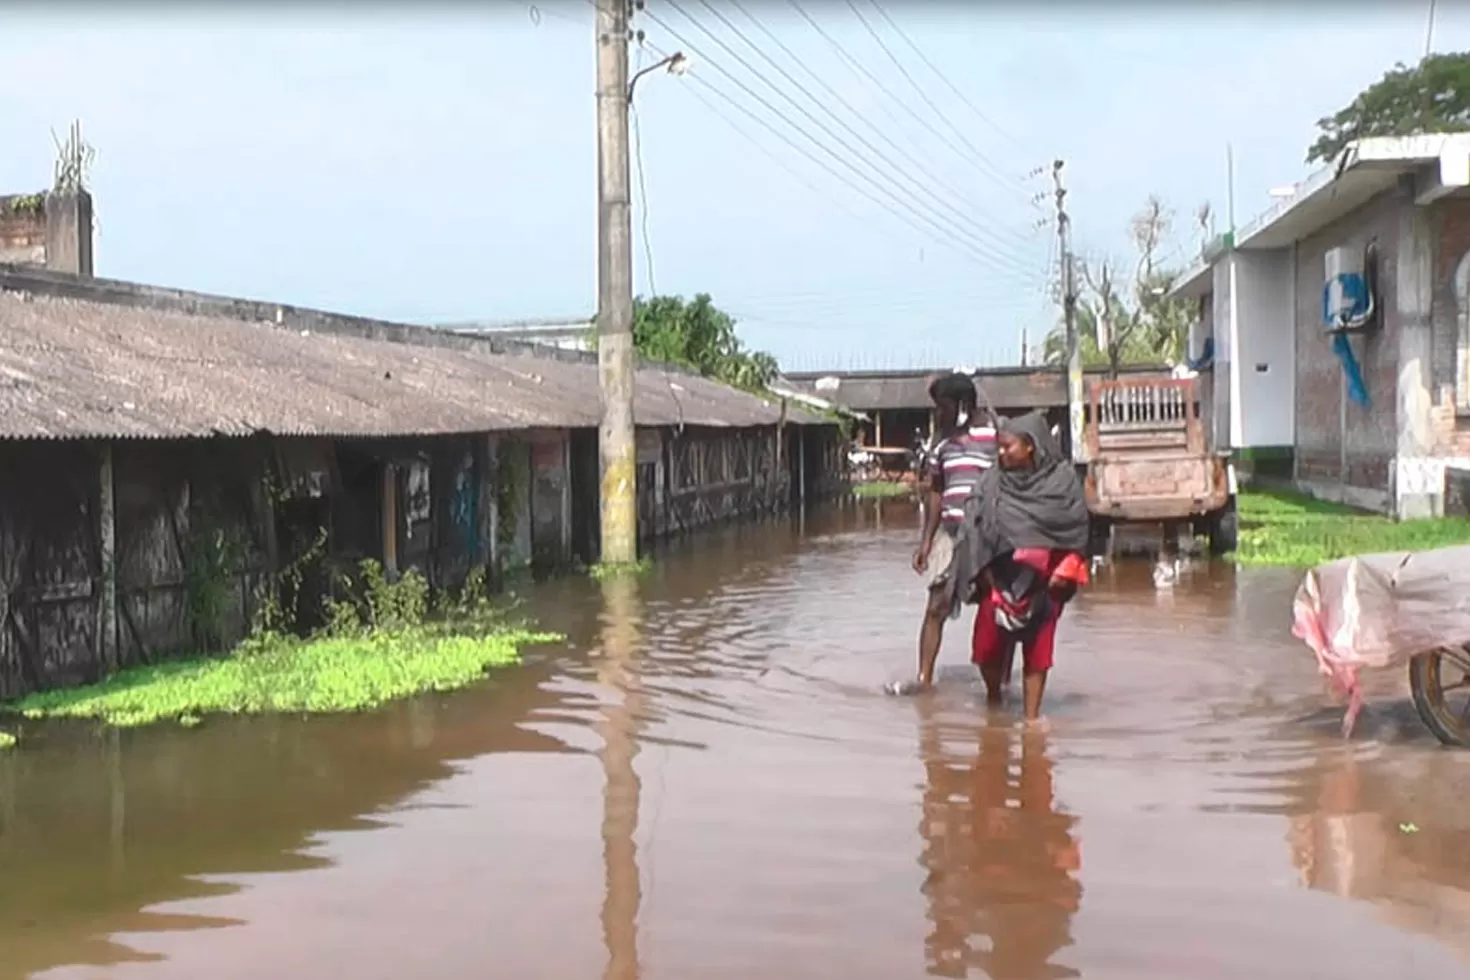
(704, 780)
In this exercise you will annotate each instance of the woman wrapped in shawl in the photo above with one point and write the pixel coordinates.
(1029, 542)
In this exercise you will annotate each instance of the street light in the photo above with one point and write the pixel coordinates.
(676, 63)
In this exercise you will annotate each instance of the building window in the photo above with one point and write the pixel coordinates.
(1462, 334)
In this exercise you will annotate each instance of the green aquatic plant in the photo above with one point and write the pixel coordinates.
(323, 675)
(1289, 530)
(7, 741)
(383, 645)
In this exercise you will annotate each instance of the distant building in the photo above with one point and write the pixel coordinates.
(559, 333)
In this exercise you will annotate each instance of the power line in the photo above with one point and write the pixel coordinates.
(908, 219)
(903, 70)
(826, 86)
(952, 227)
(979, 230)
(992, 173)
(914, 221)
(909, 287)
(719, 113)
(950, 233)
(944, 78)
(922, 313)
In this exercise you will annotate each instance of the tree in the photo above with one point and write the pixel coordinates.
(700, 336)
(1431, 97)
(1132, 322)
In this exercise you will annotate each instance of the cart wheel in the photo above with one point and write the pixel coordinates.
(1440, 685)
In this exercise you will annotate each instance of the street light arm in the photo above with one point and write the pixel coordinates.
(676, 63)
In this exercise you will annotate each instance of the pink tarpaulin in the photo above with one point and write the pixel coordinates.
(1379, 611)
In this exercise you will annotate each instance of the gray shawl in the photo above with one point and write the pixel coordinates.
(1040, 507)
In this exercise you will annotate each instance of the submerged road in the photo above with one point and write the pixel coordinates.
(706, 782)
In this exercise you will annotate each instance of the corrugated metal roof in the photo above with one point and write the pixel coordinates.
(76, 369)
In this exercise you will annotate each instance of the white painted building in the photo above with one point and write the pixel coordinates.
(1391, 216)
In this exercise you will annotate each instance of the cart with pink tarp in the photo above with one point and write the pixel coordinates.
(1391, 611)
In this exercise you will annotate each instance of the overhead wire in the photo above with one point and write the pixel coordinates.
(946, 212)
(908, 76)
(775, 158)
(892, 300)
(981, 231)
(917, 288)
(984, 256)
(990, 172)
(817, 189)
(907, 219)
(958, 93)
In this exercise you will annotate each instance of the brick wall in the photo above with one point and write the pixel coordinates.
(1355, 449)
(23, 229)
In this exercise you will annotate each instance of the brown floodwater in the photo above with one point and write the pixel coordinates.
(706, 782)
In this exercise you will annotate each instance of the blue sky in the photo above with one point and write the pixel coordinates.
(438, 163)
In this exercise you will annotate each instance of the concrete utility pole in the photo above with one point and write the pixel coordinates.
(616, 438)
(1069, 313)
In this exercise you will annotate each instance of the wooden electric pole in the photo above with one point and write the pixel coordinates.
(616, 439)
(1075, 416)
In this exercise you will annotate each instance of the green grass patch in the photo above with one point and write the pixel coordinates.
(1287, 529)
(382, 647)
(881, 489)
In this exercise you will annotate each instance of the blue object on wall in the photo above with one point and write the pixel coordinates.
(1347, 302)
(1206, 356)
(1343, 348)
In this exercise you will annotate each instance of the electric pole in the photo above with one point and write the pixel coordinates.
(1069, 313)
(615, 436)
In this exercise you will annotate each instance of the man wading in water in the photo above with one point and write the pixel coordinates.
(1030, 542)
(963, 451)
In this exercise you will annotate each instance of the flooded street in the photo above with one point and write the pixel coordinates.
(707, 781)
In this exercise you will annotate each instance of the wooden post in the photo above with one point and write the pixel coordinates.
(107, 553)
(801, 465)
(566, 493)
(488, 527)
(878, 429)
(390, 519)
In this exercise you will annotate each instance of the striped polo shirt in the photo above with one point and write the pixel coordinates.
(957, 463)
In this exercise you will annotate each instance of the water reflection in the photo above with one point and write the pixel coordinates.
(1391, 832)
(617, 672)
(1001, 857)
